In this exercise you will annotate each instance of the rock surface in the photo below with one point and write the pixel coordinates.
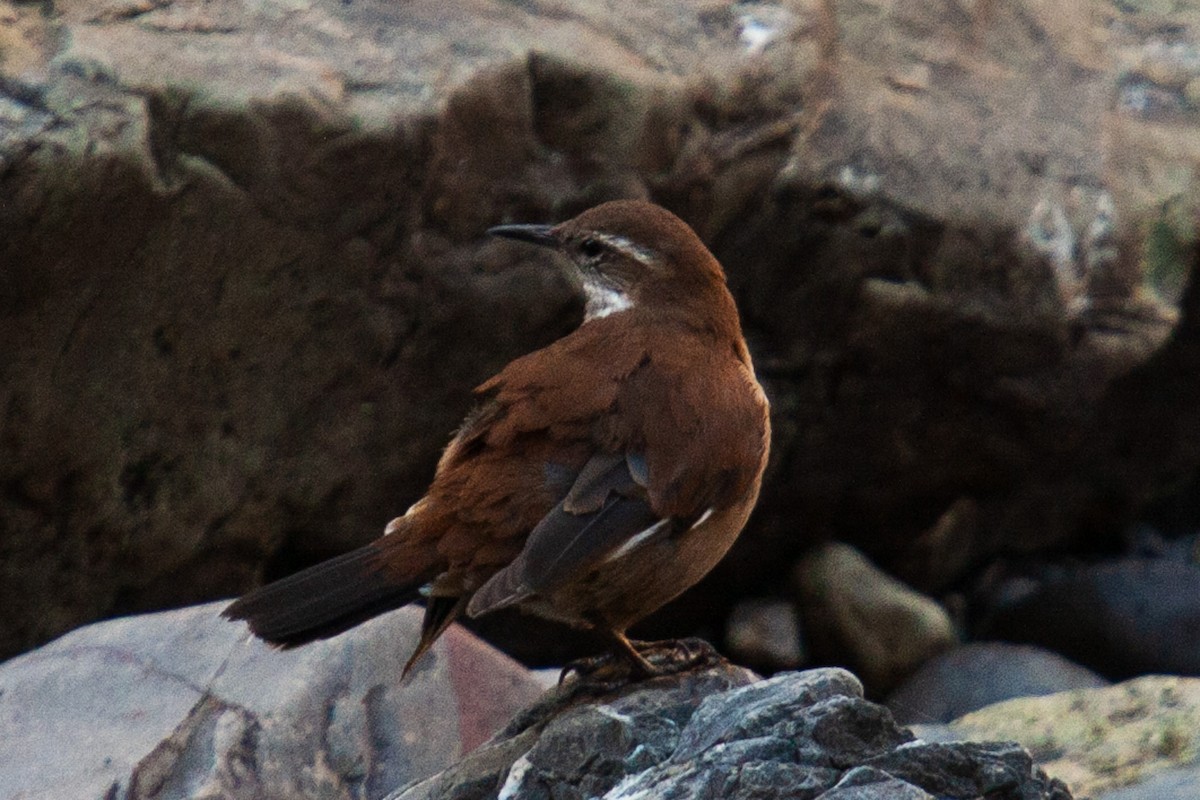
(246, 289)
(979, 674)
(1169, 784)
(1126, 739)
(1122, 618)
(183, 705)
(720, 733)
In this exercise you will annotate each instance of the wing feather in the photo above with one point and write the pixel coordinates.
(567, 542)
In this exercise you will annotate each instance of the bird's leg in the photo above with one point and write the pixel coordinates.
(639, 665)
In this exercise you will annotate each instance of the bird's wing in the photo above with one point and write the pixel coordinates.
(606, 510)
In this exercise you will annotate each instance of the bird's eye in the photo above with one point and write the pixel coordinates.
(591, 248)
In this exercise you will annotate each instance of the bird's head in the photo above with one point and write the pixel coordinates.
(630, 254)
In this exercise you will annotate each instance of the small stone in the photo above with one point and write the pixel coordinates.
(856, 614)
(765, 633)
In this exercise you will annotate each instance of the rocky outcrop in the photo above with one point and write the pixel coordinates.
(183, 705)
(246, 288)
(716, 734)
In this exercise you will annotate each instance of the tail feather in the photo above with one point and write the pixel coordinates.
(439, 613)
(324, 600)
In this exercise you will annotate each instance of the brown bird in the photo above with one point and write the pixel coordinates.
(597, 478)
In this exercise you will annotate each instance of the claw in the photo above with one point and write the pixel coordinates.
(600, 673)
(584, 667)
(633, 660)
(672, 656)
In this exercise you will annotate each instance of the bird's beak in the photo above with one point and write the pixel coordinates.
(535, 234)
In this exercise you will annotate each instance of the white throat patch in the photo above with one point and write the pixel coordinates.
(603, 300)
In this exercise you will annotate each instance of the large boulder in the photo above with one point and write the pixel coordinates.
(247, 291)
(184, 704)
(1122, 617)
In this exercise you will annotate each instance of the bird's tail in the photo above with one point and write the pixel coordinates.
(326, 599)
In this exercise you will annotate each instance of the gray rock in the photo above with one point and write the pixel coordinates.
(1173, 784)
(968, 769)
(797, 736)
(766, 708)
(978, 674)
(1122, 618)
(869, 783)
(184, 704)
(545, 746)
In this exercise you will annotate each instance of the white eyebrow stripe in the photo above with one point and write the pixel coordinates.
(628, 247)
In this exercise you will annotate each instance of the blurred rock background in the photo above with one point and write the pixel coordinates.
(245, 292)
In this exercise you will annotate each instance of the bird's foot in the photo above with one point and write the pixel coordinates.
(632, 660)
(601, 673)
(672, 656)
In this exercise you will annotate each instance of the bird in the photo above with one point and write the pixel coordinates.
(594, 480)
